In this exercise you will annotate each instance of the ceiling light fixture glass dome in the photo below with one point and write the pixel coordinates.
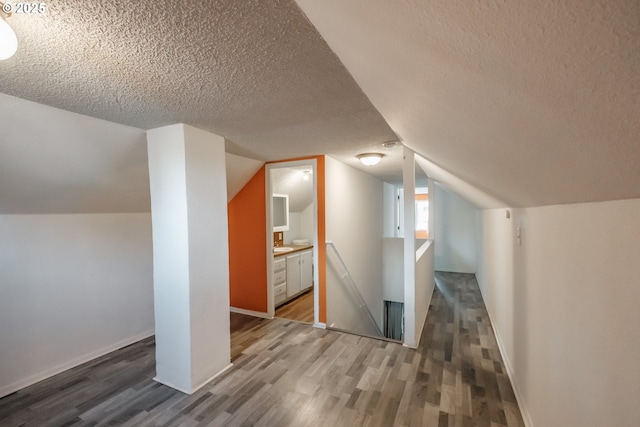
(370, 159)
(8, 39)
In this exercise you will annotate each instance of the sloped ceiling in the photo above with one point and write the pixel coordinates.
(256, 72)
(56, 162)
(290, 181)
(528, 103)
(531, 103)
(239, 171)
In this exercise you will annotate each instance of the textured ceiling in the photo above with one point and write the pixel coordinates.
(255, 72)
(290, 181)
(532, 103)
(525, 103)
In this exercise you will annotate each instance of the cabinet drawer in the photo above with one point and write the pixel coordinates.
(280, 289)
(279, 277)
(279, 264)
(279, 298)
(280, 293)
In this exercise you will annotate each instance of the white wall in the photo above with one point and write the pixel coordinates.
(72, 287)
(455, 232)
(564, 306)
(425, 283)
(393, 269)
(389, 210)
(306, 223)
(294, 228)
(354, 223)
(300, 225)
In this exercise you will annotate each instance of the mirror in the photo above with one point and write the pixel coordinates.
(280, 212)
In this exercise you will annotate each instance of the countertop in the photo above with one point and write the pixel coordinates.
(295, 248)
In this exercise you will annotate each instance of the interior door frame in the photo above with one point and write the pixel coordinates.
(313, 163)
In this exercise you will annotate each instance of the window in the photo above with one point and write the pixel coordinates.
(422, 213)
(422, 216)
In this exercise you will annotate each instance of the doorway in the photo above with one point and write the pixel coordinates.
(292, 240)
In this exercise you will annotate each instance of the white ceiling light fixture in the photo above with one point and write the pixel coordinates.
(8, 39)
(306, 174)
(370, 159)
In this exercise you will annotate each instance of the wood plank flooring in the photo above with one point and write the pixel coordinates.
(290, 374)
(300, 309)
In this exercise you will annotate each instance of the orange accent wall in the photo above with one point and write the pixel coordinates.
(247, 246)
(248, 243)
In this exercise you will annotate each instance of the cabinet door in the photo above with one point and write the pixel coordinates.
(306, 270)
(293, 274)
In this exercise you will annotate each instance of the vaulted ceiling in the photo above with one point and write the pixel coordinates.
(534, 103)
(257, 73)
(521, 103)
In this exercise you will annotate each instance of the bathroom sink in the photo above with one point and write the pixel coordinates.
(276, 250)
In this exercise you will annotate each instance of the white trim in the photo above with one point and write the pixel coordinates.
(173, 386)
(507, 364)
(271, 310)
(250, 312)
(195, 389)
(19, 385)
(422, 249)
(286, 213)
(316, 292)
(424, 321)
(320, 325)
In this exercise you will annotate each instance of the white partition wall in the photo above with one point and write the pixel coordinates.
(190, 255)
(419, 279)
(409, 184)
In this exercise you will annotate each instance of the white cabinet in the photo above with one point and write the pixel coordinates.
(299, 272)
(306, 270)
(293, 274)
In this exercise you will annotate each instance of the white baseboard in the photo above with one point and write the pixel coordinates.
(250, 312)
(213, 377)
(424, 321)
(173, 386)
(507, 364)
(194, 389)
(320, 325)
(26, 382)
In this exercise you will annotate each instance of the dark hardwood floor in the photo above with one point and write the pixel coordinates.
(300, 309)
(290, 374)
